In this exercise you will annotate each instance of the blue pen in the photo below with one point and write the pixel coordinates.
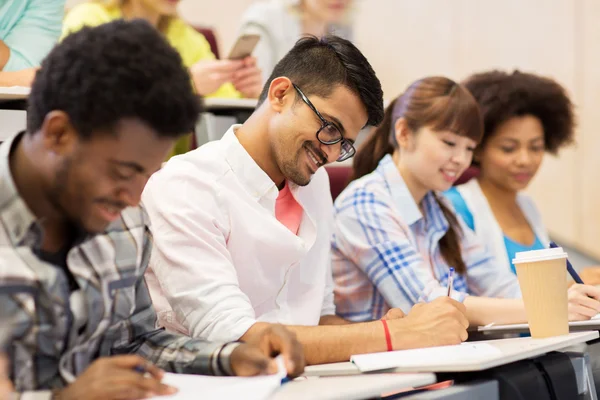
(450, 280)
(570, 268)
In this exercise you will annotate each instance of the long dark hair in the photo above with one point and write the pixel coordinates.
(440, 104)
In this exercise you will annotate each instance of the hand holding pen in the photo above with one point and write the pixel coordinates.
(117, 377)
(450, 281)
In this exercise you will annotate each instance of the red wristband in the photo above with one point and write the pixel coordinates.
(388, 338)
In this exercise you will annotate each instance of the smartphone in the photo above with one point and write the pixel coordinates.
(243, 47)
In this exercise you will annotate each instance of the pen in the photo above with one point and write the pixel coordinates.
(450, 279)
(570, 268)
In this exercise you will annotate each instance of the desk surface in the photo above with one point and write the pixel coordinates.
(351, 387)
(511, 350)
(14, 92)
(213, 103)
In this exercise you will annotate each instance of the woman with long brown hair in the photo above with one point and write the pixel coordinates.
(395, 239)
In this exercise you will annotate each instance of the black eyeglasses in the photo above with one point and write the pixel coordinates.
(328, 133)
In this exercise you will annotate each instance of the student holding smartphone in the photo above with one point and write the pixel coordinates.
(212, 78)
(281, 22)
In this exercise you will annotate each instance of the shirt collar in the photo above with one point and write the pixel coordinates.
(256, 181)
(404, 201)
(14, 213)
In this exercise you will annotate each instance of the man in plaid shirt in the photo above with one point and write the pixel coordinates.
(106, 107)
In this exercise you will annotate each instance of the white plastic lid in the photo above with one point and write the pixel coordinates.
(539, 255)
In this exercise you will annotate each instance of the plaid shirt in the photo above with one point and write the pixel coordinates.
(45, 348)
(387, 254)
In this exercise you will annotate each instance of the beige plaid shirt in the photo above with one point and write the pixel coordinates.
(45, 349)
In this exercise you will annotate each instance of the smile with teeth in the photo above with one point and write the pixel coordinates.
(450, 176)
(109, 212)
(111, 209)
(313, 158)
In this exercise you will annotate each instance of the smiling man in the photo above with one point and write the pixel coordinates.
(105, 108)
(242, 226)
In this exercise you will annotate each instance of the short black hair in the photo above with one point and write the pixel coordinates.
(101, 75)
(318, 65)
(503, 96)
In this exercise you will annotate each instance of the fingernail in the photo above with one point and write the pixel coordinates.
(150, 394)
(290, 365)
(172, 389)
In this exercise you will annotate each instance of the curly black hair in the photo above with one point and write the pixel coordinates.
(503, 96)
(101, 75)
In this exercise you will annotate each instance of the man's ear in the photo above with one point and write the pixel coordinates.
(58, 134)
(280, 93)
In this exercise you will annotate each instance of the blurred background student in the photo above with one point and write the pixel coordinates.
(280, 23)
(212, 77)
(28, 30)
(525, 116)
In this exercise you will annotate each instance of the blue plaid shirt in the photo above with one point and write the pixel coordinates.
(386, 253)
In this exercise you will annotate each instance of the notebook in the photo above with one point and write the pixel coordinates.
(472, 356)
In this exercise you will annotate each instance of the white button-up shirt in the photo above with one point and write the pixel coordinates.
(221, 260)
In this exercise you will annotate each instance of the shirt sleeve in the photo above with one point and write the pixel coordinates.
(32, 38)
(191, 260)
(485, 276)
(86, 14)
(327, 224)
(371, 234)
(170, 351)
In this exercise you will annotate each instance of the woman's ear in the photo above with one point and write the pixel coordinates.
(402, 133)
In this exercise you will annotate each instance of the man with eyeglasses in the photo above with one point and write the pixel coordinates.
(242, 226)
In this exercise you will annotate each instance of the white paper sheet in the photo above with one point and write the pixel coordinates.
(425, 358)
(194, 387)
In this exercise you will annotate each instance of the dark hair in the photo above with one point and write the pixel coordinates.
(101, 75)
(503, 96)
(318, 65)
(440, 104)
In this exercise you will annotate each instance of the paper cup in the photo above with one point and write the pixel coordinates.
(541, 275)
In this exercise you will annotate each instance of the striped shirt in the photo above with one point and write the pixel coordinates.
(386, 251)
(46, 348)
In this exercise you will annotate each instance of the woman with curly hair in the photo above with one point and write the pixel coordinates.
(525, 116)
